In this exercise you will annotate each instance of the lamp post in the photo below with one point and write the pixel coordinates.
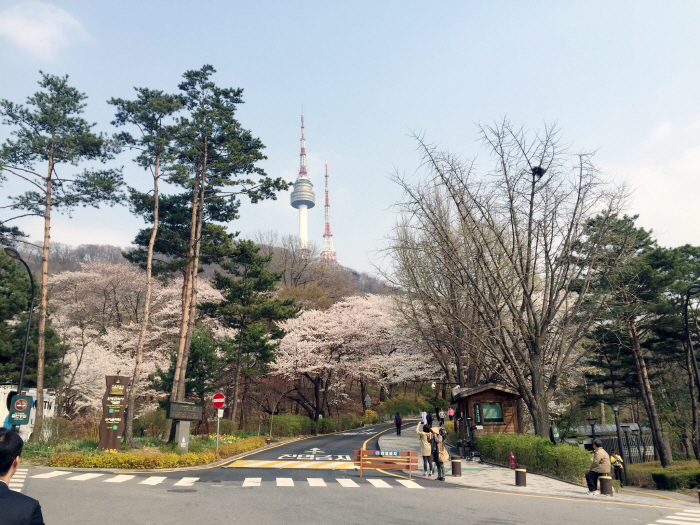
(15, 255)
(637, 441)
(692, 290)
(620, 448)
(591, 421)
(625, 429)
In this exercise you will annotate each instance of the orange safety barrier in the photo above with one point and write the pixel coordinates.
(377, 459)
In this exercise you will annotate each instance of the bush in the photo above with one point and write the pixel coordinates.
(54, 430)
(404, 405)
(676, 479)
(152, 424)
(244, 445)
(370, 417)
(289, 425)
(326, 426)
(346, 422)
(642, 474)
(227, 427)
(537, 454)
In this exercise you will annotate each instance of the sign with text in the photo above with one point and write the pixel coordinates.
(20, 408)
(183, 411)
(113, 405)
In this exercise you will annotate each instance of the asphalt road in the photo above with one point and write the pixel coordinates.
(308, 495)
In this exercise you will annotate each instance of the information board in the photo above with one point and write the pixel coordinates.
(20, 408)
(183, 411)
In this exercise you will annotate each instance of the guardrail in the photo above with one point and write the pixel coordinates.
(377, 459)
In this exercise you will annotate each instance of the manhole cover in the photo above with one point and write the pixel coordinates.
(182, 490)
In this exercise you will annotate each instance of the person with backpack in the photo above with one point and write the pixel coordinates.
(397, 422)
(616, 461)
(440, 454)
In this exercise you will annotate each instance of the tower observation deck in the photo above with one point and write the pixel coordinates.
(303, 198)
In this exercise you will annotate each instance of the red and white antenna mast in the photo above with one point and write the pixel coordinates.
(328, 254)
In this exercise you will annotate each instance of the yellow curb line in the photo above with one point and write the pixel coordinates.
(654, 495)
(574, 499)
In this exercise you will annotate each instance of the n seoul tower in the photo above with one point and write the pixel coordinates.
(303, 197)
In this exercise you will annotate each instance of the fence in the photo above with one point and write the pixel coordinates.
(635, 449)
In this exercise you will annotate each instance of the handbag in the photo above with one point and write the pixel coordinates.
(443, 455)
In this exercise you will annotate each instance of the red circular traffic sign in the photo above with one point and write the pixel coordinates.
(21, 405)
(218, 400)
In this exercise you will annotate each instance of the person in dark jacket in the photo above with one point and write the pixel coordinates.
(15, 508)
(397, 422)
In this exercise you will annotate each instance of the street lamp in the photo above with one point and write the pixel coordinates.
(692, 290)
(15, 255)
(636, 432)
(625, 429)
(620, 448)
(591, 421)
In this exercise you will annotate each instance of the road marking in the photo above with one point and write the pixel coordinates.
(153, 480)
(185, 482)
(409, 484)
(285, 482)
(379, 483)
(677, 522)
(85, 477)
(330, 465)
(121, 478)
(316, 482)
(347, 483)
(252, 482)
(53, 474)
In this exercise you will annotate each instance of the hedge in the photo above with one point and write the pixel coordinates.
(536, 454)
(676, 479)
(151, 460)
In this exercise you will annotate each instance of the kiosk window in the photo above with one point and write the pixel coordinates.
(493, 413)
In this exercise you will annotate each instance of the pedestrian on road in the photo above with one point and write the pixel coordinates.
(450, 413)
(15, 507)
(429, 417)
(423, 417)
(616, 461)
(442, 417)
(397, 422)
(424, 434)
(440, 454)
(600, 465)
(437, 412)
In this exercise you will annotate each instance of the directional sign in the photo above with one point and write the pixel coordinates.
(218, 400)
(20, 406)
(386, 453)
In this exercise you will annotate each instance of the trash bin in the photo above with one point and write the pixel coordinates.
(457, 466)
(605, 485)
(520, 477)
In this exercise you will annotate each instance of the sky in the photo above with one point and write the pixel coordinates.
(618, 77)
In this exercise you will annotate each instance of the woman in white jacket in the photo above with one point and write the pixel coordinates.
(425, 436)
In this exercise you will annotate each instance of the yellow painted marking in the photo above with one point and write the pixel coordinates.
(652, 494)
(332, 465)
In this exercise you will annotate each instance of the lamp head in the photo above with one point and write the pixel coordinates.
(692, 289)
(13, 253)
(615, 407)
(591, 421)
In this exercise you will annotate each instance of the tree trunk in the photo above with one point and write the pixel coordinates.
(661, 445)
(43, 309)
(238, 376)
(131, 400)
(692, 387)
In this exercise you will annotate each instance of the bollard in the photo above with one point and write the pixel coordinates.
(605, 485)
(520, 477)
(268, 441)
(457, 466)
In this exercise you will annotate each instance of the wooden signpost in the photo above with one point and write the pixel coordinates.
(113, 405)
(385, 460)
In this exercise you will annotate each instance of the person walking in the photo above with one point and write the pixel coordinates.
(450, 413)
(600, 465)
(442, 417)
(424, 435)
(437, 412)
(15, 507)
(423, 417)
(397, 422)
(440, 454)
(616, 461)
(429, 419)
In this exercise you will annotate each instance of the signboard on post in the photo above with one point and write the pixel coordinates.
(20, 408)
(113, 406)
(183, 411)
(218, 401)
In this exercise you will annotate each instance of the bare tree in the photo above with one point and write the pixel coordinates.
(505, 242)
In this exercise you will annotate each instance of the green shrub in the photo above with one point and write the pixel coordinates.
(676, 479)
(346, 422)
(405, 405)
(152, 424)
(326, 426)
(226, 427)
(537, 454)
(289, 425)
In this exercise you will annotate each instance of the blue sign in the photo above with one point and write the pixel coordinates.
(381, 453)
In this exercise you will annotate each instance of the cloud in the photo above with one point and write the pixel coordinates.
(40, 29)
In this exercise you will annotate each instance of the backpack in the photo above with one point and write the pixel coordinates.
(397, 420)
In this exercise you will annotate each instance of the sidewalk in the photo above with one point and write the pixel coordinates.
(490, 477)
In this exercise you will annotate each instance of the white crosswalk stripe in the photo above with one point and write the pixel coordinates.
(379, 483)
(252, 482)
(121, 478)
(686, 517)
(185, 482)
(409, 484)
(85, 477)
(316, 482)
(53, 474)
(153, 480)
(285, 482)
(346, 483)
